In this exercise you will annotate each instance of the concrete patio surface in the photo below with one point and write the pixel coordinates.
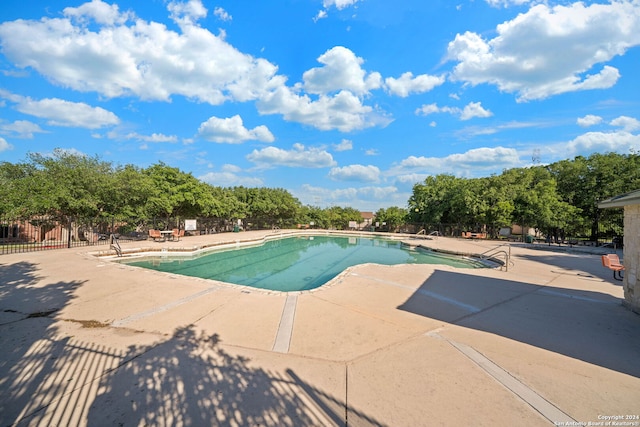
(87, 341)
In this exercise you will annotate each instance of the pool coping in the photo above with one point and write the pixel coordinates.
(405, 239)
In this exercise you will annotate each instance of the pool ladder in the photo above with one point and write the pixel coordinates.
(115, 244)
(423, 232)
(497, 252)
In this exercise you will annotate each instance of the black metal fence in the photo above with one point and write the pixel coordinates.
(40, 233)
(57, 232)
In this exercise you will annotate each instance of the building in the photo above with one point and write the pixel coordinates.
(631, 254)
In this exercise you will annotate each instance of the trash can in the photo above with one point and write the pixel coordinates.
(236, 229)
(528, 239)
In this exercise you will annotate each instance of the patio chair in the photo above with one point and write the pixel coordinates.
(612, 262)
(156, 235)
(177, 234)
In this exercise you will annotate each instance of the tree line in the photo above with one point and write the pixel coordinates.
(557, 198)
(68, 185)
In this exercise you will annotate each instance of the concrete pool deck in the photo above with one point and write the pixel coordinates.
(85, 341)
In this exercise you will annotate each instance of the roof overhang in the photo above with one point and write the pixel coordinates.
(631, 198)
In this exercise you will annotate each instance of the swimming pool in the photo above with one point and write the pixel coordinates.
(296, 263)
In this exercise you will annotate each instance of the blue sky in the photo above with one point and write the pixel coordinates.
(341, 102)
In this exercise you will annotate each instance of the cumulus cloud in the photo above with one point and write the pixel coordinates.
(20, 129)
(360, 173)
(100, 12)
(344, 145)
(299, 157)
(154, 137)
(339, 4)
(4, 145)
(589, 120)
(408, 84)
(222, 14)
(343, 111)
(59, 112)
(628, 124)
(231, 176)
(231, 130)
(549, 50)
(471, 110)
(341, 70)
(478, 159)
(98, 48)
(507, 3)
(369, 198)
(186, 13)
(95, 47)
(620, 142)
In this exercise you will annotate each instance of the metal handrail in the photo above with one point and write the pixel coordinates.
(115, 244)
(494, 252)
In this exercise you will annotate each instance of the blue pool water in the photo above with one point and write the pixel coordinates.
(296, 263)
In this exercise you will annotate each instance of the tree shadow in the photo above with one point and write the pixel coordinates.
(29, 350)
(191, 380)
(585, 325)
(584, 265)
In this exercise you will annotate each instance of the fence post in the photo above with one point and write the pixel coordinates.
(70, 229)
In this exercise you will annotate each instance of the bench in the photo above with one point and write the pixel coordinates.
(612, 262)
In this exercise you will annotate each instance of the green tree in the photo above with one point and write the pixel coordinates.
(393, 217)
(175, 194)
(66, 184)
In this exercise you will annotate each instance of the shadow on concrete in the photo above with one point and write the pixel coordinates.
(584, 325)
(191, 380)
(27, 344)
(586, 266)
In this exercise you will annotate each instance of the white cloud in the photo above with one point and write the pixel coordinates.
(59, 112)
(222, 14)
(476, 160)
(628, 124)
(471, 110)
(135, 57)
(298, 156)
(361, 173)
(230, 177)
(4, 145)
(343, 111)
(99, 11)
(474, 109)
(341, 71)
(344, 145)
(589, 120)
(186, 13)
(368, 198)
(20, 129)
(231, 130)
(321, 15)
(339, 4)
(154, 137)
(507, 3)
(408, 84)
(620, 142)
(548, 51)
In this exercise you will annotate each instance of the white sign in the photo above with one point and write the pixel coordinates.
(190, 225)
(353, 224)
